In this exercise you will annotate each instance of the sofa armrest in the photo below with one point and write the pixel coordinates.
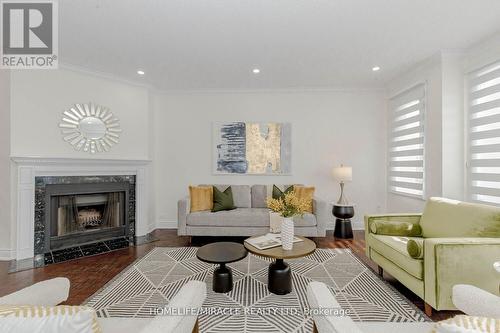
(180, 315)
(322, 211)
(476, 302)
(399, 217)
(319, 297)
(183, 209)
(452, 261)
(46, 293)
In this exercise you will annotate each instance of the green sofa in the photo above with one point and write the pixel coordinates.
(459, 243)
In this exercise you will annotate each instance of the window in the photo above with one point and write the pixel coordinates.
(484, 135)
(406, 142)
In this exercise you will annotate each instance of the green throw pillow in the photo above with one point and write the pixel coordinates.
(415, 248)
(394, 228)
(277, 193)
(223, 200)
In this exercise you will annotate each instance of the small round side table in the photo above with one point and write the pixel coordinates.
(222, 253)
(343, 227)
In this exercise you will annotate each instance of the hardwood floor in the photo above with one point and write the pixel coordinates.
(88, 275)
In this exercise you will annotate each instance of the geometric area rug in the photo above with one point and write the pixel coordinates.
(150, 283)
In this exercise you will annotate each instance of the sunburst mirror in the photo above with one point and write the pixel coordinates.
(90, 127)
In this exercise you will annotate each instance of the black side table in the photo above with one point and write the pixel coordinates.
(343, 227)
(222, 253)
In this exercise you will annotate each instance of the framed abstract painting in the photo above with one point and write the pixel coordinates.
(252, 148)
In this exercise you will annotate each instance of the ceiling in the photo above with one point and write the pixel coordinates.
(215, 44)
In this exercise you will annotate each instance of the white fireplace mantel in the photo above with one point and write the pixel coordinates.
(27, 168)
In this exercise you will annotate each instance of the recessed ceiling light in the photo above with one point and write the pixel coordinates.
(140, 72)
(376, 69)
(256, 71)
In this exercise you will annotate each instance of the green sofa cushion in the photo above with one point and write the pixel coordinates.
(394, 228)
(223, 200)
(450, 218)
(278, 193)
(415, 248)
(394, 249)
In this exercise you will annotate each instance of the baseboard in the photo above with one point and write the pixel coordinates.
(166, 224)
(6, 254)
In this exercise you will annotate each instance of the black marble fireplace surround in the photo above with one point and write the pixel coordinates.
(113, 238)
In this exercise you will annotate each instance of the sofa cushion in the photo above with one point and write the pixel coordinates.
(450, 218)
(54, 319)
(306, 194)
(306, 220)
(280, 192)
(395, 228)
(260, 193)
(241, 195)
(394, 249)
(415, 248)
(243, 217)
(240, 217)
(223, 200)
(122, 325)
(201, 198)
(259, 196)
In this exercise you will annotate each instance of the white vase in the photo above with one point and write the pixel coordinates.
(287, 233)
(275, 222)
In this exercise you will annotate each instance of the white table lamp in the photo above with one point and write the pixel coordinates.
(342, 174)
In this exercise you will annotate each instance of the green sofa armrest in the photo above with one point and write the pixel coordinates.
(401, 217)
(451, 261)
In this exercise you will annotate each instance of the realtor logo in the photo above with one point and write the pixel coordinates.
(29, 35)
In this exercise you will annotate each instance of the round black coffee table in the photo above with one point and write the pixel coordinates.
(279, 274)
(222, 253)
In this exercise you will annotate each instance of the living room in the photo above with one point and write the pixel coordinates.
(157, 141)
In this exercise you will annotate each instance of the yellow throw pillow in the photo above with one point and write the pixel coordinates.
(202, 198)
(53, 319)
(305, 193)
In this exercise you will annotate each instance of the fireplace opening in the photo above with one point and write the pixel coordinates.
(85, 213)
(88, 212)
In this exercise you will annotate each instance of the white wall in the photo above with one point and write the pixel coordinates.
(5, 208)
(328, 128)
(445, 75)
(453, 158)
(428, 72)
(37, 101)
(39, 97)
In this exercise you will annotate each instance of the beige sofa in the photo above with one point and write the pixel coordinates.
(251, 217)
(55, 291)
(319, 297)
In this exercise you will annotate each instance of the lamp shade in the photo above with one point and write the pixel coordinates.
(342, 173)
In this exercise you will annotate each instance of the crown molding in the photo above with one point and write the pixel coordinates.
(156, 90)
(271, 90)
(41, 160)
(103, 75)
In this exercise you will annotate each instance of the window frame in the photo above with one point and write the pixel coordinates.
(411, 89)
(469, 77)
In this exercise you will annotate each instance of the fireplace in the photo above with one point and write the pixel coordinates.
(78, 216)
(79, 213)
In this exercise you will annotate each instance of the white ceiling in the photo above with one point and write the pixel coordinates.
(214, 44)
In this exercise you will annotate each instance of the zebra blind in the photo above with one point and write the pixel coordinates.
(406, 142)
(484, 135)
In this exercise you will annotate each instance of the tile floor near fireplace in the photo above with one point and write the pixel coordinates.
(85, 250)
